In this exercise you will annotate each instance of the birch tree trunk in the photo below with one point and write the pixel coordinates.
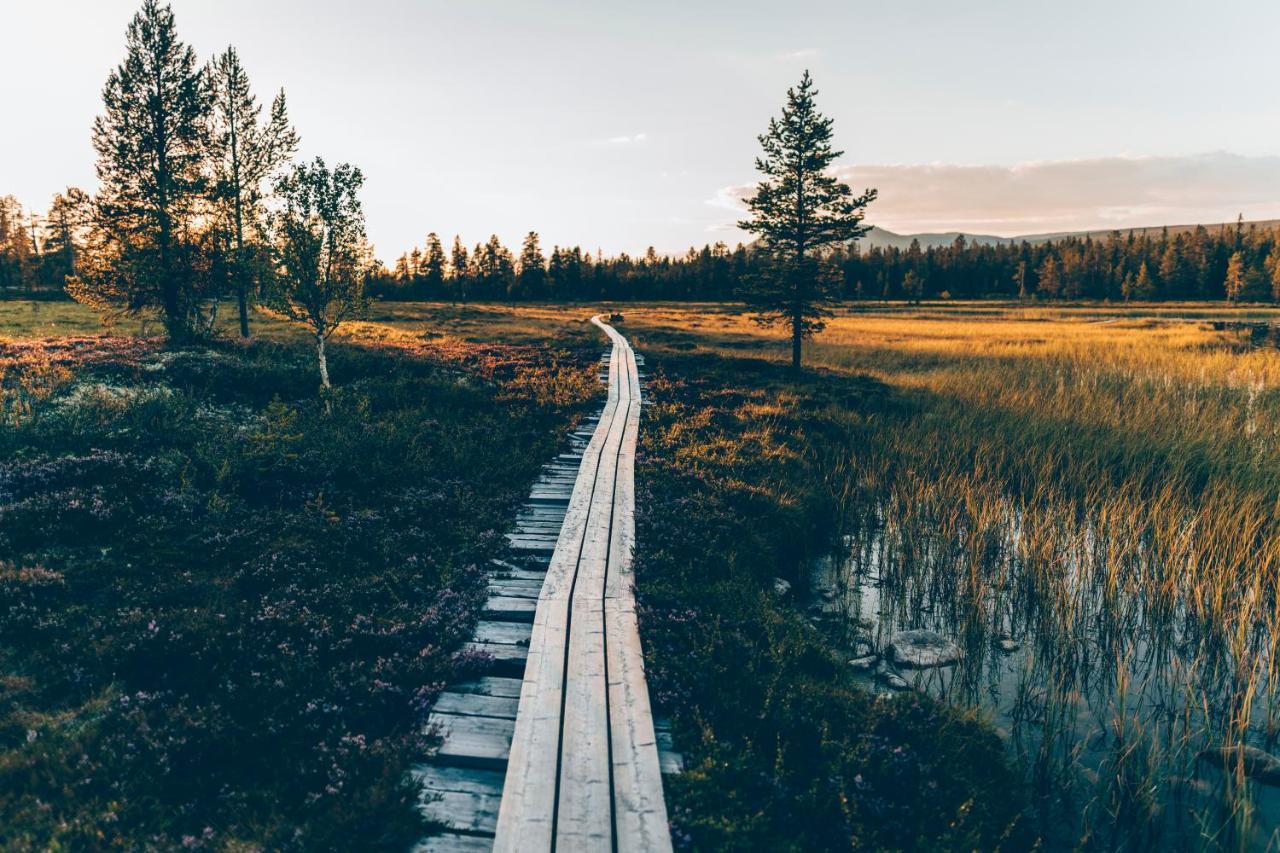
(324, 362)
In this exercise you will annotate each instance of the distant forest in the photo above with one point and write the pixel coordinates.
(1234, 263)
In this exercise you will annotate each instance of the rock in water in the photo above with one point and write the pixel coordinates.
(922, 649)
(889, 678)
(782, 587)
(1258, 764)
(864, 664)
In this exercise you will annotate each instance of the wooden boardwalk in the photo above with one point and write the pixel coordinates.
(558, 749)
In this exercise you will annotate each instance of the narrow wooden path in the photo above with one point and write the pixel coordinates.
(558, 749)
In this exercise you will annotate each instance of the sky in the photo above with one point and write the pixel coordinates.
(619, 126)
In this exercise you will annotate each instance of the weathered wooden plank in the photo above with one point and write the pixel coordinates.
(508, 659)
(490, 685)
(584, 812)
(513, 633)
(527, 812)
(453, 843)
(510, 609)
(461, 799)
(465, 741)
(530, 575)
(461, 811)
(468, 779)
(511, 589)
(475, 705)
(669, 759)
(640, 814)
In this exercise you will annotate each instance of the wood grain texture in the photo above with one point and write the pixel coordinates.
(584, 771)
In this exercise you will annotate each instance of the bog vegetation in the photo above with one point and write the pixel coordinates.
(1085, 501)
(226, 605)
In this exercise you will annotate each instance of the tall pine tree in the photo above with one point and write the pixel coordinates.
(799, 209)
(532, 279)
(433, 267)
(245, 152)
(152, 141)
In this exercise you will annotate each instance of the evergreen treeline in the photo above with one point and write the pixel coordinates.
(1239, 263)
(1236, 263)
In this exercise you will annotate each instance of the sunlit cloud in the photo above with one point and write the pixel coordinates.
(627, 140)
(1060, 195)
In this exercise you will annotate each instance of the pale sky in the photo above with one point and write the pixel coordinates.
(621, 126)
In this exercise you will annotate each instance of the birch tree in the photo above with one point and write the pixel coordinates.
(321, 255)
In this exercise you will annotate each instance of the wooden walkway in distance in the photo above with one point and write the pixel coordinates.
(558, 749)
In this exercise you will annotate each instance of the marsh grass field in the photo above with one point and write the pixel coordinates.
(1085, 498)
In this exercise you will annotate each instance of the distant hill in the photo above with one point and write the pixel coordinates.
(885, 239)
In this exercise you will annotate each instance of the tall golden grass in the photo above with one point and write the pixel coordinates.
(1106, 489)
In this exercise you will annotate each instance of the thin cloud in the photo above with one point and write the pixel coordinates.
(802, 53)
(1060, 195)
(627, 140)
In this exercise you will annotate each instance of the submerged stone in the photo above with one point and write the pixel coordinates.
(865, 663)
(921, 649)
(782, 586)
(890, 678)
(1257, 764)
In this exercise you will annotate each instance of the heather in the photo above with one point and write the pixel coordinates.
(227, 601)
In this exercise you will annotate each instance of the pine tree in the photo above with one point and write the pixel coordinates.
(913, 286)
(69, 215)
(460, 265)
(152, 142)
(533, 268)
(1143, 286)
(798, 209)
(1273, 271)
(245, 152)
(321, 254)
(495, 268)
(1234, 283)
(1050, 283)
(433, 267)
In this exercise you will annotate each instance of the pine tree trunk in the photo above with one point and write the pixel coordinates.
(795, 342)
(324, 362)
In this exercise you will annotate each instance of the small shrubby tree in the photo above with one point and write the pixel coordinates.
(321, 256)
(798, 210)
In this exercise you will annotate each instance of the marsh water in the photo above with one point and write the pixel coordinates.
(1106, 698)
